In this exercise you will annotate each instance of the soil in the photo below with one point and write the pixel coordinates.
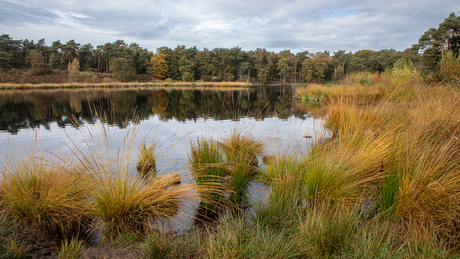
(106, 250)
(39, 245)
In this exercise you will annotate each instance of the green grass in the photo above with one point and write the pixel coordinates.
(14, 250)
(241, 150)
(71, 249)
(147, 159)
(326, 232)
(208, 170)
(9, 248)
(236, 238)
(127, 240)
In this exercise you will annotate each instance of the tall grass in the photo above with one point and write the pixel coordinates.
(284, 176)
(398, 155)
(340, 232)
(123, 201)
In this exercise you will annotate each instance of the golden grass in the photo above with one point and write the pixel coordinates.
(124, 205)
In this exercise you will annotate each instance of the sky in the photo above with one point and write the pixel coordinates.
(307, 25)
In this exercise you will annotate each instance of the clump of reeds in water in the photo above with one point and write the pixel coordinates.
(47, 193)
(242, 147)
(147, 159)
(208, 170)
(241, 150)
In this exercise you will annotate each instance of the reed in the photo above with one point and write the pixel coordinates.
(122, 200)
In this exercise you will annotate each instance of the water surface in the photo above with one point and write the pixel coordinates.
(62, 119)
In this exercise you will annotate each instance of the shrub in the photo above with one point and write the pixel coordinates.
(187, 77)
(39, 67)
(121, 69)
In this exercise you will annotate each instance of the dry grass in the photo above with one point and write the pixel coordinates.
(124, 205)
(46, 193)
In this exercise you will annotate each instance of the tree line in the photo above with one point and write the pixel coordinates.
(228, 64)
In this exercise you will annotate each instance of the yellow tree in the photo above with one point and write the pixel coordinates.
(157, 67)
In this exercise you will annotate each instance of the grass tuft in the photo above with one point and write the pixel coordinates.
(147, 159)
(71, 249)
(44, 194)
(127, 205)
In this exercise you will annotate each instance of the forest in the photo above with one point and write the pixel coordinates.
(122, 60)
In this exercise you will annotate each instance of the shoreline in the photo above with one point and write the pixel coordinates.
(6, 86)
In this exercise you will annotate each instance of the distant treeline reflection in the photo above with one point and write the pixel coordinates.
(33, 108)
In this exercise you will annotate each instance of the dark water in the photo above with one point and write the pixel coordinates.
(172, 117)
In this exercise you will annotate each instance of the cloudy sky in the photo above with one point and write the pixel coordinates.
(313, 25)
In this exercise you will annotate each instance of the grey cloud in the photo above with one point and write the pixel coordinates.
(16, 14)
(271, 24)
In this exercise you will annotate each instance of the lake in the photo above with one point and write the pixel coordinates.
(64, 119)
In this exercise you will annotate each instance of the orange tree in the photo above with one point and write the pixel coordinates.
(157, 66)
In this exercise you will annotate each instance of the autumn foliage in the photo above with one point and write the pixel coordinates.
(158, 66)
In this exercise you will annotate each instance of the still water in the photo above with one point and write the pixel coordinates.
(62, 119)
